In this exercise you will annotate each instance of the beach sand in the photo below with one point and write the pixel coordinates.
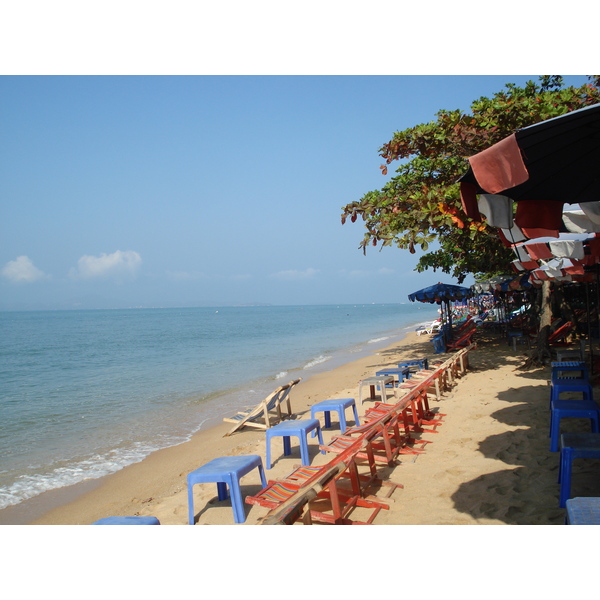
(488, 463)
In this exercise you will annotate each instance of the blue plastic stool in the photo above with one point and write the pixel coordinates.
(577, 409)
(583, 511)
(225, 471)
(127, 521)
(439, 344)
(415, 364)
(401, 372)
(340, 405)
(301, 429)
(572, 446)
(570, 366)
(559, 386)
(514, 336)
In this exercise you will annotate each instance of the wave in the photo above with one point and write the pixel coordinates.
(379, 339)
(96, 466)
(281, 375)
(317, 361)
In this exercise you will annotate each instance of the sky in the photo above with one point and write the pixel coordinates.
(160, 191)
(200, 154)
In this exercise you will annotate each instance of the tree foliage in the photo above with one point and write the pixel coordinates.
(421, 203)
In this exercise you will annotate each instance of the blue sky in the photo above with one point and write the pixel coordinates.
(124, 191)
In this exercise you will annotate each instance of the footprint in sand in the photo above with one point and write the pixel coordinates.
(461, 441)
(454, 472)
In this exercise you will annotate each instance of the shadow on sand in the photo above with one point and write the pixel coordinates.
(527, 493)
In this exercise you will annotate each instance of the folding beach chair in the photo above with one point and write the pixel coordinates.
(557, 338)
(264, 410)
(463, 338)
(334, 499)
(383, 441)
(429, 379)
(431, 328)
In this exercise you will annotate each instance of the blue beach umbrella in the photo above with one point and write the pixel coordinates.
(443, 294)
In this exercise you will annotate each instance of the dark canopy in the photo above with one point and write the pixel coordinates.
(552, 161)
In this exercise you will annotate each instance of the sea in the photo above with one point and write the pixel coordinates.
(85, 393)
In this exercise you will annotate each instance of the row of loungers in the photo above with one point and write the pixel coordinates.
(330, 493)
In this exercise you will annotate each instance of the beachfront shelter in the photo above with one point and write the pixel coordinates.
(541, 167)
(540, 187)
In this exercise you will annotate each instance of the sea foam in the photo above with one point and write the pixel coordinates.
(379, 339)
(317, 361)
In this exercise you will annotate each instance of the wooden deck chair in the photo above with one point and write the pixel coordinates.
(339, 499)
(326, 501)
(289, 501)
(462, 360)
(415, 416)
(335, 504)
(558, 337)
(445, 372)
(463, 339)
(422, 415)
(425, 386)
(467, 324)
(411, 427)
(431, 380)
(383, 441)
(358, 481)
(264, 410)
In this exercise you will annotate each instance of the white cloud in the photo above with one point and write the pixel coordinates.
(22, 270)
(117, 264)
(385, 271)
(293, 275)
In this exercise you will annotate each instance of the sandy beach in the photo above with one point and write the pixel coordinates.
(488, 464)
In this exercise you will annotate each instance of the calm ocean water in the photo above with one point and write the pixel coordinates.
(85, 393)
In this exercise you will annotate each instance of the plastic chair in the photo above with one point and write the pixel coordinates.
(572, 446)
(578, 409)
(225, 472)
(583, 511)
(127, 521)
(339, 405)
(300, 429)
(430, 328)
